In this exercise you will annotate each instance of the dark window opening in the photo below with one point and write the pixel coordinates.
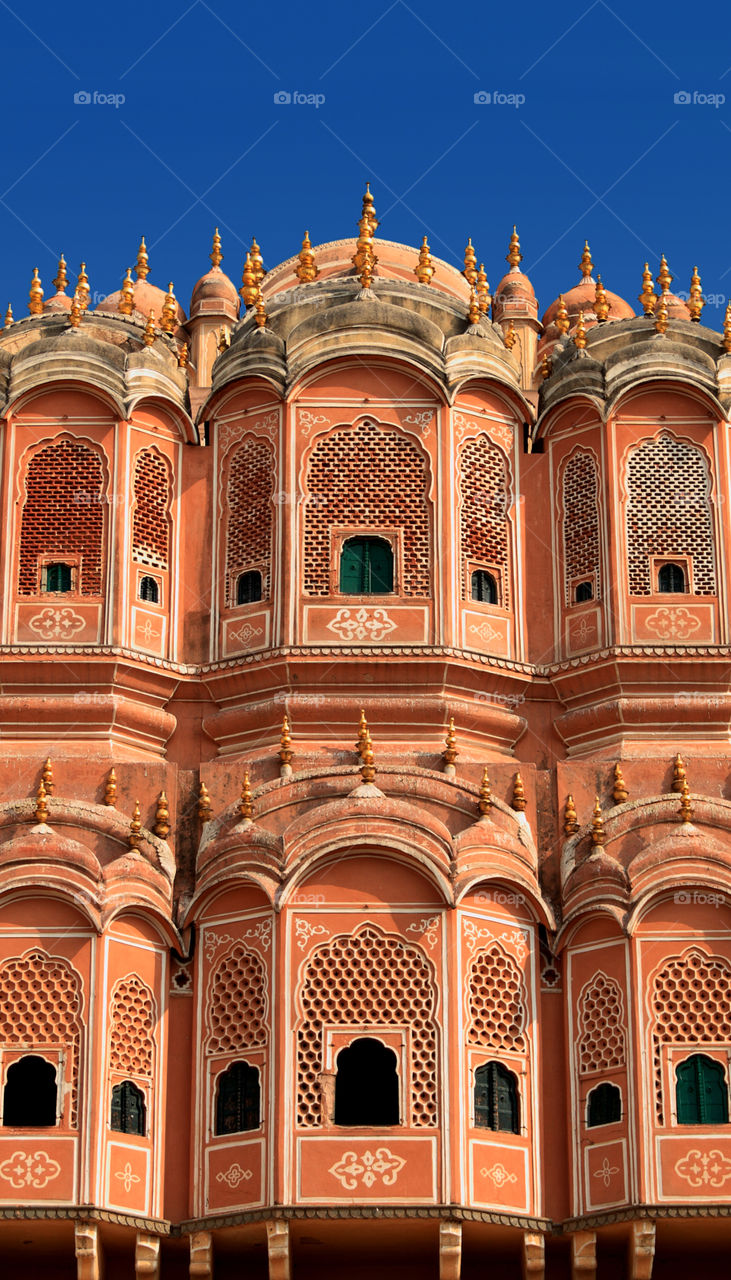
(238, 1105)
(484, 587)
(248, 587)
(366, 567)
(701, 1091)
(29, 1100)
(671, 579)
(584, 592)
(366, 1084)
(58, 577)
(496, 1099)
(128, 1112)
(605, 1105)
(149, 590)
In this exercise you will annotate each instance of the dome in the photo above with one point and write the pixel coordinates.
(147, 297)
(581, 298)
(56, 303)
(515, 293)
(214, 293)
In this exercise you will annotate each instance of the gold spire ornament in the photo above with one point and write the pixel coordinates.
(619, 791)
(726, 326)
(223, 342)
(601, 302)
(215, 255)
(162, 817)
(580, 333)
(685, 812)
(483, 290)
(424, 269)
(9, 317)
(261, 312)
(134, 838)
(510, 337)
(597, 824)
(35, 297)
(75, 313)
(470, 263)
(148, 336)
(563, 323)
(285, 750)
(519, 800)
(205, 812)
(306, 266)
(143, 262)
(249, 290)
(41, 803)
(82, 287)
(546, 367)
(696, 302)
(474, 313)
(586, 266)
(485, 801)
(62, 279)
(450, 752)
(368, 210)
(169, 314)
(514, 256)
(110, 789)
(664, 278)
(661, 316)
(257, 261)
(368, 768)
(570, 821)
(246, 807)
(183, 356)
(126, 304)
(678, 775)
(368, 264)
(648, 297)
(47, 776)
(362, 732)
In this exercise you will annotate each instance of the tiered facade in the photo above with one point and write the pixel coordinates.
(365, 835)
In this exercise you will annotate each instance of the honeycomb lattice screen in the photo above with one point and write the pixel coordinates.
(368, 979)
(367, 478)
(497, 1001)
(581, 523)
(63, 513)
(131, 1043)
(601, 1026)
(150, 519)
(236, 1003)
(40, 1005)
(249, 498)
(669, 512)
(691, 1003)
(485, 500)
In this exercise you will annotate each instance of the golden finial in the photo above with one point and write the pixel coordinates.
(570, 821)
(580, 333)
(249, 290)
(586, 266)
(148, 336)
(685, 812)
(664, 278)
(61, 279)
(47, 776)
(519, 801)
(510, 337)
(368, 768)
(134, 838)
(424, 269)
(450, 744)
(619, 792)
(368, 209)
(246, 807)
(9, 317)
(597, 824)
(474, 313)
(82, 287)
(545, 366)
(205, 812)
(514, 256)
(678, 774)
(223, 342)
(485, 801)
(41, 804)
(483, 290)
(215, 255)
(470, 263)
(695, 301)
(601, 302)
(126, 304)
(726, 326)
(169, 314)
(367, 265)
(183, 356)
(285, 749)
(648, 297)
(261, 312)
(35, 297)
(563, 323)
(75, 313)
(362, 732)
(661, 316)
(162, 817)
(257, 261)
(306, 266)
(143, 262)
(110, 789)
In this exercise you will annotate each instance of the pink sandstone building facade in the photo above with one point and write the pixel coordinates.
(365, 830)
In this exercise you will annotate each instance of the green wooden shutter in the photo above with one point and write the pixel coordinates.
(701, 1092)
(380, 566)
(352, 568)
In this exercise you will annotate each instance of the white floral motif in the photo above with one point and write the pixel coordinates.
(484, 631)
(676, 624)
(368, 1167)
(245, 633)
(148, 631)
(606, 1173)
(127, 1177)
(213, 942)
(585, 630)
(499, 1175)
(711, 1169)
(304, 931)
(422, 422)
(368, 624)
(428, 926)
(234, 1175)
(517, 939)
(57, 624)
(473, 934)
(22, 1169)
(499, 432)
(261, 932)
(309, 420)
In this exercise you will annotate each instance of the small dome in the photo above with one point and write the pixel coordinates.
(677, 309)
(581, 298)
(213, 294)
(515, 293)
(147, 297)
(57, 302)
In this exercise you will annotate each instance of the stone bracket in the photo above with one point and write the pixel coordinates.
(534, 1255)
(278, 1247)
(201, 1256)
(88, 1250)
(641, 1249)
(583, 1255)
(450, 1250)
(147, 1256)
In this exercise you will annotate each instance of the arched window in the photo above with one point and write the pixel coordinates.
(584, 592)
(605, 1105)
(701, 1091)
(238, 1105)
(149, 590)
(30, 1097)
(483, 587)
(366, 567)
(496, 1098)
(128, 1112)
(58, 577)
(248, 587)
(366, 1084)
(671, 579)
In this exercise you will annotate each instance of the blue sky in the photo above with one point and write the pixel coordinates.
(599, 147)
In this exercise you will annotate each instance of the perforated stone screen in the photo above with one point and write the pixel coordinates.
(249, 498)
(131, 1044)
(691, 1002)
(497, 1003)
(63, 513)
(40, 1005)
(669, 512)
(150, 527)
(601, 1025)
(236, 1012)
(485, 499)
(580, 522)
